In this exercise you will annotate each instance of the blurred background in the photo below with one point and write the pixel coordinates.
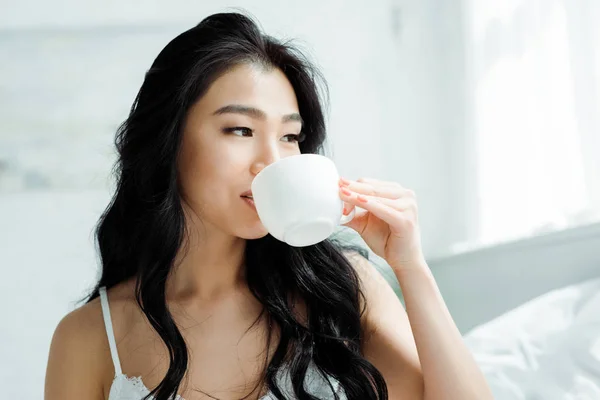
(489, 110)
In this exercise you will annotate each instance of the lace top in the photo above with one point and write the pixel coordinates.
(132, 388)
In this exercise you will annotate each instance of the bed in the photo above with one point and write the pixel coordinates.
(547, 348)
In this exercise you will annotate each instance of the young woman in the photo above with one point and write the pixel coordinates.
(204, 304)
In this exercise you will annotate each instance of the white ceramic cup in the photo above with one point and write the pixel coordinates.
(297, 199)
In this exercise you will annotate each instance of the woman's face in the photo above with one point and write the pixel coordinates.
(247, 119)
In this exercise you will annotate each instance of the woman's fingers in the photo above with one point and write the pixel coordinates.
(375, 188)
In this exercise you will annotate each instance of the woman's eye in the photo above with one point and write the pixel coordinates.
(295, 138)
(239, 131)
(243, 131)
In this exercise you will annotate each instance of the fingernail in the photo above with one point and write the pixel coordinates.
(362, 198)
(344, 182)
(345, 212)
(346, 191)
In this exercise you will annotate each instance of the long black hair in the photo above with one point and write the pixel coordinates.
(143, 227)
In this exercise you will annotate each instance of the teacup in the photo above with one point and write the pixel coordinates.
(297, 199)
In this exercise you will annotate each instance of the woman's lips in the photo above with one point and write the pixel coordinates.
(249, 201)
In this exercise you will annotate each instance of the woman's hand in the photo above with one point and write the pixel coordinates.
(390, 224)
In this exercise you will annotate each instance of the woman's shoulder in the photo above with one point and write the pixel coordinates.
(89, 318)
(370, 278)
(375, 288)
(77, 356)
(81, 327)
(80, 350)
(85, 325)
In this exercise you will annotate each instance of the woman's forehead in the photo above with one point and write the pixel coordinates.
(251, 86)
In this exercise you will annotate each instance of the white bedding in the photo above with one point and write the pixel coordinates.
(546, 349)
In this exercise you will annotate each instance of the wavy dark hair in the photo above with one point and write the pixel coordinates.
(143, 227)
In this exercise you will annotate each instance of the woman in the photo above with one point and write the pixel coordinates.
(203, 302)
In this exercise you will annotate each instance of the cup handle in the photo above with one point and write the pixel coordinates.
(347, 218)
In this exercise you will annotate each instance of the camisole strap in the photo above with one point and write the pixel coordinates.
(109, 330)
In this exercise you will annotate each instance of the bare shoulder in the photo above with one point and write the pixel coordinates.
(375, 287)
(388, 340)
(77, 357)
(367, 272)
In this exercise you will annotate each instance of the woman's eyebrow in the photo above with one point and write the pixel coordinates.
(254, 113)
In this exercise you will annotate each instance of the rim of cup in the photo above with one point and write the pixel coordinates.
(276, 163)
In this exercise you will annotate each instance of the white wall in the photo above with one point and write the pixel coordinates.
(47, 261)
(426, 111)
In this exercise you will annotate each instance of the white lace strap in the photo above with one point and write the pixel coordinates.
(109, 330)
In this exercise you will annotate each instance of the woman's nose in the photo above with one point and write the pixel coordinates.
(267, 157)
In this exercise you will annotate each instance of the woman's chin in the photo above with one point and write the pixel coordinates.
(257, 232)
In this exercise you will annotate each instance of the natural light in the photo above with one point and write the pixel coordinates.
(532, 139)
